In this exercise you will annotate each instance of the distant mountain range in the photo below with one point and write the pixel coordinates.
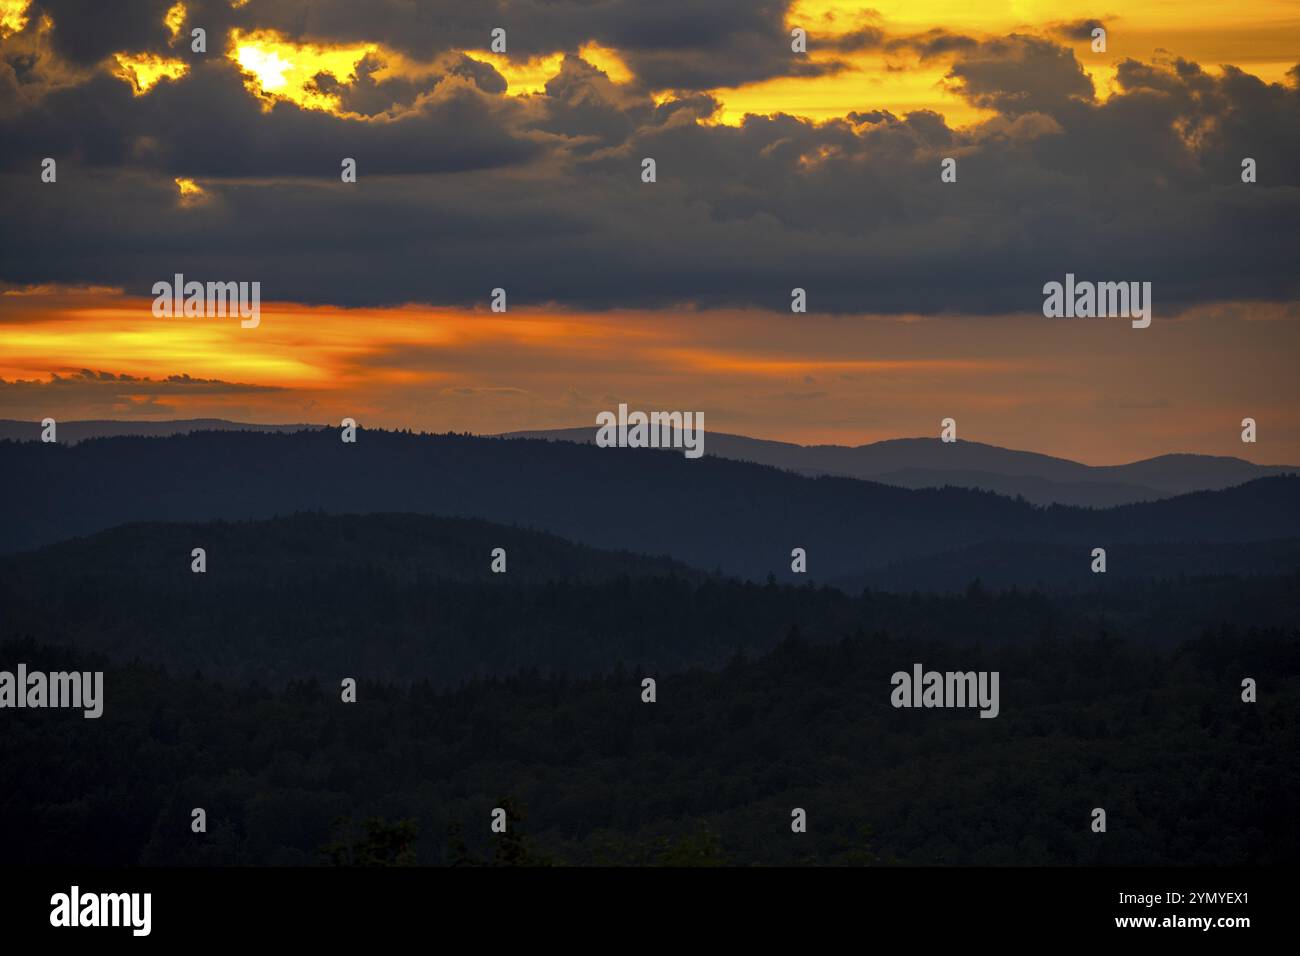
(902, 462)
(709, 513)
(931, 463)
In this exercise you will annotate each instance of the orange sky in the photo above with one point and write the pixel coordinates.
(1120, 395)
(1260, 36)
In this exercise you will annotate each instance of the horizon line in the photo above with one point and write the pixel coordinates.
(543, 433)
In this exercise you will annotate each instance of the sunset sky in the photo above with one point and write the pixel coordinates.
(776, 170)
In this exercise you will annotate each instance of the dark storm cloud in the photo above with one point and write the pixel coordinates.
(208, 125)
(86, 31)
(584, 106)
(464, 190)
(1019, 74)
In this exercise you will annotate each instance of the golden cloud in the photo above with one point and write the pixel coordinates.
(144, 70)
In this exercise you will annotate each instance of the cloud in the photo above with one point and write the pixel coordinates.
(58, 289)
(88, 393)
(1020, 74)
(680, 44)
(463, 189)
(171, 384)
(934, 43)
(1076, 29)
(86, 31)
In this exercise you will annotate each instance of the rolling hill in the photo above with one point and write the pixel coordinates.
(931, 463)
(710, 513)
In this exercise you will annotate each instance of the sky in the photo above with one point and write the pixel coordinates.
(775, 170)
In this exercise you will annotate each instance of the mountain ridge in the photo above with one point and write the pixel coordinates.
(932, 463)
(709, 513)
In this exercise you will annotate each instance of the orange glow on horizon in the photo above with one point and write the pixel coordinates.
(1019, 382)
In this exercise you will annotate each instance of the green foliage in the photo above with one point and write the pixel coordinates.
(511, 848)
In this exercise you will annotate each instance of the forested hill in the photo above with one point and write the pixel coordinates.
(706, 775)
(413, 597)
(524, 689)
(403, 547)
(709, 513)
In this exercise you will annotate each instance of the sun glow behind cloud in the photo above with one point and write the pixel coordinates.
(279, 68)
(1257, 35)
(191, 193)
(175, 19)
(871, 82)
(144, 70)
(1260, 36)
(889, 75)
(523, 77)
(13, 16)
(607, 60)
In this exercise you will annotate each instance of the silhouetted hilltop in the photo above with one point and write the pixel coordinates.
(905, 462)
(931, 463)
(71, 432)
